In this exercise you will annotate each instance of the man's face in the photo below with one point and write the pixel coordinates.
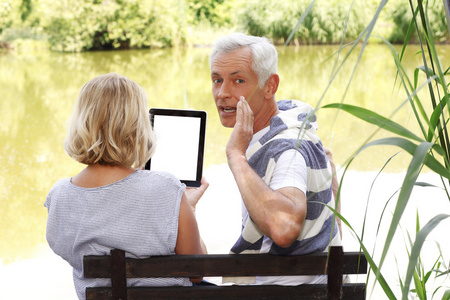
(232, 76)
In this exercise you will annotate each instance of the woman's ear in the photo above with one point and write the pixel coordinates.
(271, 86)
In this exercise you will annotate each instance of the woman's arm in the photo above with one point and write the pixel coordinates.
(188, 239)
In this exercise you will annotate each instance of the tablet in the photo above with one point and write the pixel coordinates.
(180, 143)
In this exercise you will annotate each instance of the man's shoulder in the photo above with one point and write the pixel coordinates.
(288, 104)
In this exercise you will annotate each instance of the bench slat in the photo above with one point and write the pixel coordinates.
(223, 265)
(118, 268)
(307, 292)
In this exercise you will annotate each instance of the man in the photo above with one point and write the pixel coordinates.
(277, 160)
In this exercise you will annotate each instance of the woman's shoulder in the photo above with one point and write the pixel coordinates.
(159, 177)
(60, 186)
(147, 184)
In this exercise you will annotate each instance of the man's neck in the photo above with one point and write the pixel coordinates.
(262, 120)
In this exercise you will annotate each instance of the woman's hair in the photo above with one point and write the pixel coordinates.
(110, 124)
(264, 53)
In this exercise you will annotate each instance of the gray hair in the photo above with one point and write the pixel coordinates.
(264, 53)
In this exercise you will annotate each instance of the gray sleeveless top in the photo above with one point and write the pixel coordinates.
(138, 214)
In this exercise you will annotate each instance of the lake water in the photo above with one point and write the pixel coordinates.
(38, 90)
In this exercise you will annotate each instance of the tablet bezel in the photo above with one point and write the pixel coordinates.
(201, 143)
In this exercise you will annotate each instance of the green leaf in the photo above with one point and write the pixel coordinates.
(415, 251)
(429, 72)
(446, 295)
(376, 119)
(416, 77)
(410, 147)
(443, 273)
(405, 192)
(447, 71)
(383, 283)
(427, 276)
(419, 287)
(407, 37)
(436, 116)
(425, 184)
(417, 222)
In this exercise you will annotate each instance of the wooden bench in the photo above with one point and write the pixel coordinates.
(119, 268)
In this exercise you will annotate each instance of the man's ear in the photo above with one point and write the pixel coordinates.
(271, 86)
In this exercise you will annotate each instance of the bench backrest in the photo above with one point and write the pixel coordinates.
(119, 268)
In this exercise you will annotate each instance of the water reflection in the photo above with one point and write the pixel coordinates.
(39, 89)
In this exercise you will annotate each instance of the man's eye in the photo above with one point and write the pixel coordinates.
(217, 81)
(239, 80)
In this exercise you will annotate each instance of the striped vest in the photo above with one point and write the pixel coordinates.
(294, 128)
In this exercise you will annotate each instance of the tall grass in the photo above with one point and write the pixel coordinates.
(322, 25)
(401, 15)
(431, 148)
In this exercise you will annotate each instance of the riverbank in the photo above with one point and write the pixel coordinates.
(218, 216)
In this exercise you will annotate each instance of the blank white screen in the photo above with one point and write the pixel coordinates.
(177, 141)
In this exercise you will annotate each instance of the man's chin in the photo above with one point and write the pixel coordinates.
(228, 123)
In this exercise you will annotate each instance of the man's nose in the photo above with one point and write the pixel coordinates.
(224, 91)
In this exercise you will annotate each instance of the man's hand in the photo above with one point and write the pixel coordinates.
(243, 130)
(193, 195)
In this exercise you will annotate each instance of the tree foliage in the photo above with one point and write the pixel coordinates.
(25, 9)
(215, 12)
(401, 15)
(6, 15)
(83, 25)
(325, 23)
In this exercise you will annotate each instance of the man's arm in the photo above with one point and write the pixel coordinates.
(278, 214)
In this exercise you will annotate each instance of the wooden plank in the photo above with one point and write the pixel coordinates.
(97, 266)
(223, 265)
(99, 293)
(335, 267)
(307, 292)
(226, 265)
(355, 263)
(304, 292)
(352, 291)
(117, 267)
(118, 275)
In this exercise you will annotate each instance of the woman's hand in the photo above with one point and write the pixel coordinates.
(193, 195)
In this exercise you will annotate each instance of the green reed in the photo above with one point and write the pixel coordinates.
(430, 149)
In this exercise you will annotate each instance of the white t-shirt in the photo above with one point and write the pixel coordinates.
(290, 171)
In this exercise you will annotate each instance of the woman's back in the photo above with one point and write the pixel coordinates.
(138, 214)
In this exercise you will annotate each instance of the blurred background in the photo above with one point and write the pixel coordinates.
(50, 48)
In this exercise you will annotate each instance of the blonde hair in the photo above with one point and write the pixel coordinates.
(110, 124)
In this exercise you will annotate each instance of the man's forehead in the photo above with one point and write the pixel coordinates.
(235, 62)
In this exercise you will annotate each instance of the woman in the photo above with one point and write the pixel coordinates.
(113, 203)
